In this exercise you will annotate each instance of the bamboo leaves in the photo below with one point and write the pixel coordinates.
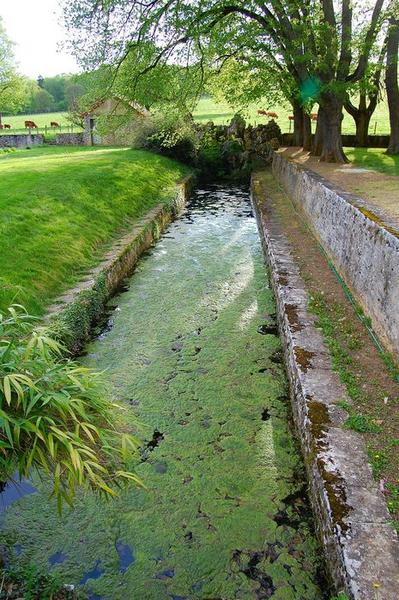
(55, 416)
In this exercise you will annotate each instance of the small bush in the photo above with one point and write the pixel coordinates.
(55, 416)
(169, 133)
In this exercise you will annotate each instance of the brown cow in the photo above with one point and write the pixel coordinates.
(7, 126)
(290, 117)
(313, 116)
(272, 115)
(30, 125)
(54, 124)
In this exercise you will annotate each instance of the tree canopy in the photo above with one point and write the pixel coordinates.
(12, 85)
(318, 48)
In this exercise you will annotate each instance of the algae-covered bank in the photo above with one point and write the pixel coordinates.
(194, 354)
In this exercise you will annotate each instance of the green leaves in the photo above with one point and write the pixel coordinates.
(55, 417)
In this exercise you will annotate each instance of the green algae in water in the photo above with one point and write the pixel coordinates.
(224, 515)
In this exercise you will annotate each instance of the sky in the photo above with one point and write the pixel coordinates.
(36, 28)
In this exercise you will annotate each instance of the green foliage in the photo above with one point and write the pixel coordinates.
(12, 85)
(358, 422)
(362, 424)
(55, 416)
(30, 583)
(168, 132)
(378, 460)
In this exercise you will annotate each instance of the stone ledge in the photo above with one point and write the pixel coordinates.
(351, 516)
(361, 242)
(72, 316)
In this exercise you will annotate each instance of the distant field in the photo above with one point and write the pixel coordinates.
(208, 110)
(42, 120)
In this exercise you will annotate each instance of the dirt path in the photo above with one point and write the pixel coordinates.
(379, 190)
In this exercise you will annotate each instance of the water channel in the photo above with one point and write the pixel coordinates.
(193, 351)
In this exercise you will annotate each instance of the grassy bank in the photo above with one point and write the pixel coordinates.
(61, 207)
(374, 158)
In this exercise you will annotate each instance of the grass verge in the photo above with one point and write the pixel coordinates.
(61, 207)
(374, 158)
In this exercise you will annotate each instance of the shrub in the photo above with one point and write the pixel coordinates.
(55, 415)
(169, 133)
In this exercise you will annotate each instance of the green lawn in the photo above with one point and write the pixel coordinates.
(374, 158)
(42, 120)
(61, 207)
(208, 110)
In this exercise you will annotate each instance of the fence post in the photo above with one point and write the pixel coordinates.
(375, 127)
(45, 130)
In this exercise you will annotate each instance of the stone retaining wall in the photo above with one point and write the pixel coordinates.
(351, 516)
(22, 140)
(69, 139)
(363, 249)
(349, 140)
(72, 317)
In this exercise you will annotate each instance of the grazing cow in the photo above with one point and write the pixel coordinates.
(30, 125)
(272, 115)
(7, 126)
(313, 116)
(54, 124)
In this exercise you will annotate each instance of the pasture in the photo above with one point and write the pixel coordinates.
(61, 207)
(42, 120)
(209, 110)
(221, 113)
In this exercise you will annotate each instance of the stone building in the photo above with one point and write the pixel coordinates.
(110, 121)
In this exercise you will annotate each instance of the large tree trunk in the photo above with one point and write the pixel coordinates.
(362, 116)
(302, 128)
(391, 82)
(362, 121)
(307, 132)
(328, 141)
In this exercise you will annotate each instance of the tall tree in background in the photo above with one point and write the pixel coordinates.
(12, 85)
(312, 40)
(368, 91)
(391, 83)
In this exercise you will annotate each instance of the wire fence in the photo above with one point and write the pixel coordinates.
(44, 129)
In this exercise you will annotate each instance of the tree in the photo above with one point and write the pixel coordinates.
(391, 83)
(311, 39)
(42, 101)
(12, 85)
(368, 91)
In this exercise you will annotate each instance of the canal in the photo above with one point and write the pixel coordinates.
(192, 351)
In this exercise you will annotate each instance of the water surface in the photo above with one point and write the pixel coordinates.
(193, 353)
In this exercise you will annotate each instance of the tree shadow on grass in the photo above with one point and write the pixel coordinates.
(375, 158)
